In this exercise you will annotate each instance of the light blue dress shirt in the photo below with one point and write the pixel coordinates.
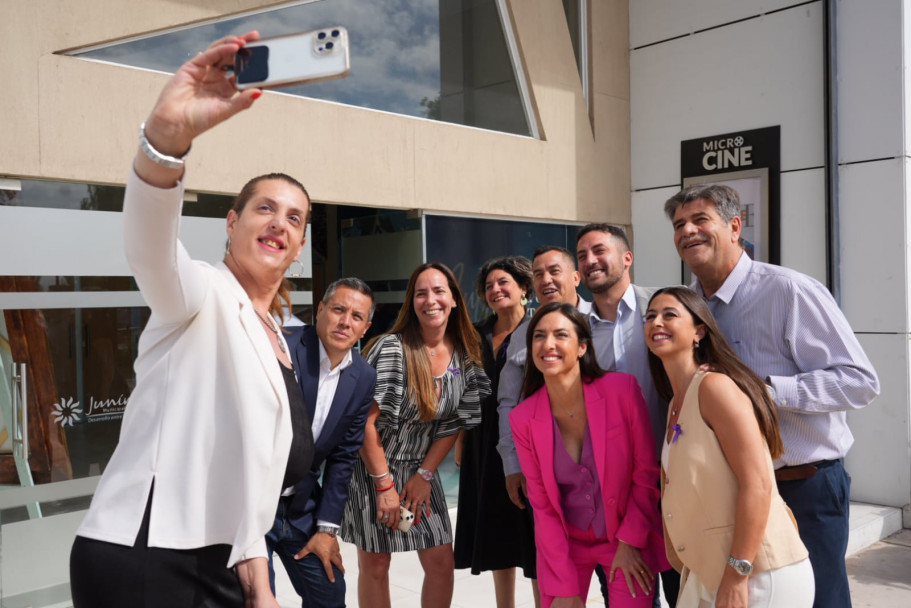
(620, 346)
(788, 329)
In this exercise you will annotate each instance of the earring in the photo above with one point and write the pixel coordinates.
(696, 345)
(299, 273)
(524, 300)
(228, 247)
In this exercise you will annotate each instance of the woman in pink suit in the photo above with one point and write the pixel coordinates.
(584, 442)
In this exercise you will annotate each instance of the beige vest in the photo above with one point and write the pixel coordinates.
(698, 501)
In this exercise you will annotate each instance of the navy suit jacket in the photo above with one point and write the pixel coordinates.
(341, 436)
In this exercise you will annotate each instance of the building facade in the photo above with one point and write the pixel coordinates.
(469, 128)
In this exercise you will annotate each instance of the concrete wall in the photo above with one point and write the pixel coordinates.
(66, 118)
(704, 67)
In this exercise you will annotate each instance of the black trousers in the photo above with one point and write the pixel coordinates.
(107, 575)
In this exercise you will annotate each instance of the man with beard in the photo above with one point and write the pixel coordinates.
(604, 257)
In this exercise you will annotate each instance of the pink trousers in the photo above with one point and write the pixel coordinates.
(585, 554)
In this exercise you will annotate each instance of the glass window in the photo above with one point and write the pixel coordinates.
(80, 374)
(439, 59)
(93, 197)
(465, 243)
(577, 20)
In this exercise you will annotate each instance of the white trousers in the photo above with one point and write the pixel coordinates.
(788, 587)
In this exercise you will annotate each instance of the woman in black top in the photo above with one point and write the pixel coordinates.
(491, 532)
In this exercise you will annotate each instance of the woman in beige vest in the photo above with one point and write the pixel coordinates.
(726, 528)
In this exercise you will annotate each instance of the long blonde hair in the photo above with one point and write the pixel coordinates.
(459, 328)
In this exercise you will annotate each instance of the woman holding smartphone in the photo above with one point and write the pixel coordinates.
(216, 425)
(727, 528)
(585, 445)
(429, 386)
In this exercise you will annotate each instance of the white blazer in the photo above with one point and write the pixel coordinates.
(208, 421)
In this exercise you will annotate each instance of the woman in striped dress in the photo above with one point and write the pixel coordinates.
(429, 385)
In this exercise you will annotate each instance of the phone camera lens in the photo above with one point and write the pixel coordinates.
(321, 35)
(335, 33)
(329, 45)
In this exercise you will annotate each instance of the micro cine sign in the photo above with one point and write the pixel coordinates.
(725, 153)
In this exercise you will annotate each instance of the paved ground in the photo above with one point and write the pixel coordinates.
(880, 577)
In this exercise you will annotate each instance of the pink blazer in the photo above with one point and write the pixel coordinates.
(627, 468)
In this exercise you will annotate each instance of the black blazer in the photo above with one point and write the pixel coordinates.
(341, 436)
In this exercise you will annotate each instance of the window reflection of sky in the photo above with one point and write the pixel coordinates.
(395, 49)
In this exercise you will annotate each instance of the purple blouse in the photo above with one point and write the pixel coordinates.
(580, 490)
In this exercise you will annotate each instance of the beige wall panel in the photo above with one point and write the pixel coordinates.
(474, 171)
(342, 154)
(608, 171)
(548, 53)
(19, 51)
(102, 21)
(90, 114)
(610, 47)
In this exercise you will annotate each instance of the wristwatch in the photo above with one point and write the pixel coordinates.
(330, 530)
(426, 474)
(741, 566)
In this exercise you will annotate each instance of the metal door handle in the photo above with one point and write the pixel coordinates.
(20, 409)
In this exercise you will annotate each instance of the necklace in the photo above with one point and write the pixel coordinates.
(571, 413)
(271, 326)
(675, 407)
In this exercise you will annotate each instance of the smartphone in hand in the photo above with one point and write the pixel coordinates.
(293, 59)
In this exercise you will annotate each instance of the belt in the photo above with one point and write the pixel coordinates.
(800, 471)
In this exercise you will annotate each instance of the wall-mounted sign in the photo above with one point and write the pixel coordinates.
(749, 162)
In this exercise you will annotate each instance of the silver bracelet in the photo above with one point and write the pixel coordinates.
(171, 162)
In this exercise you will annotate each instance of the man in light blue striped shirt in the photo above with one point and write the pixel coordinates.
(789, 330)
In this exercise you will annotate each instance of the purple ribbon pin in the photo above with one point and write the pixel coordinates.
(455, 371)
(677, 433)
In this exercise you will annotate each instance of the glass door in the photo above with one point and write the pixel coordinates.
(70, 320)
(66, 376)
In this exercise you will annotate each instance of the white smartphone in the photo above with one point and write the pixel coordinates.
(293, 59)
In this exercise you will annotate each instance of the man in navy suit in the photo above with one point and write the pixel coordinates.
(338, 389)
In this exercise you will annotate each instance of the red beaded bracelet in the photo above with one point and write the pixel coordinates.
(389, 487)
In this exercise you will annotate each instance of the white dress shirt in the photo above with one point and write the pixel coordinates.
(325, 393)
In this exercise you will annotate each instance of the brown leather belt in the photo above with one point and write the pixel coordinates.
(800, 471)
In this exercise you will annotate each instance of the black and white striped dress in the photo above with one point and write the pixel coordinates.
(406, 440)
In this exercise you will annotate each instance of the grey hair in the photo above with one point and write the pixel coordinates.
(351, 283)
(725, 199)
